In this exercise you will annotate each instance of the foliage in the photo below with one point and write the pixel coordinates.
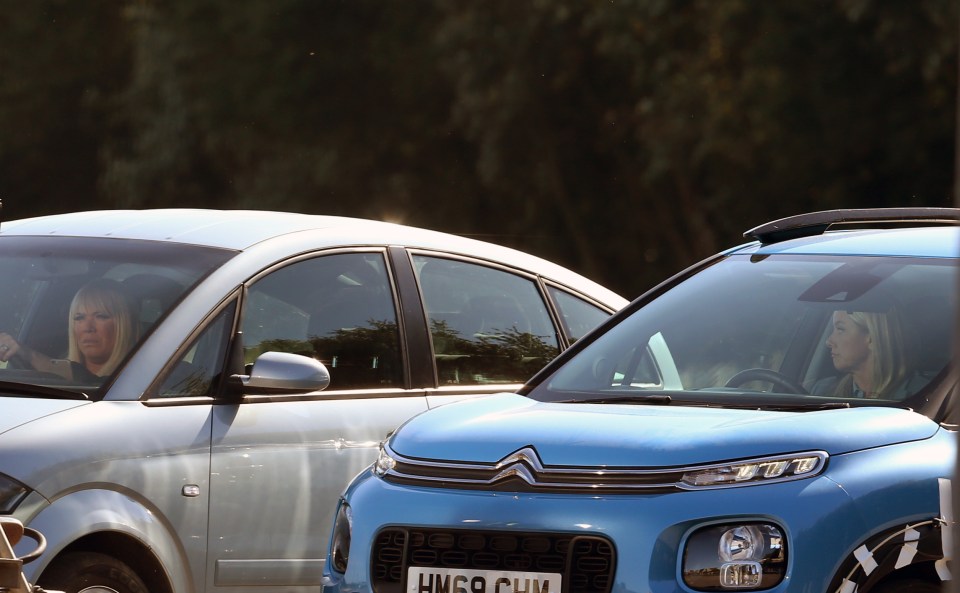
(623, 139)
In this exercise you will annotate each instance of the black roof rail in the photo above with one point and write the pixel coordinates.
(815, 223)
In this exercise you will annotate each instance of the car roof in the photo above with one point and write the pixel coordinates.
(227, 229)
(242, 230)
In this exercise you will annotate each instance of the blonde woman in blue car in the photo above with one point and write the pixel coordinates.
(868, 347)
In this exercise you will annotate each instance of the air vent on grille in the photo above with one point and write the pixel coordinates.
(586, 562)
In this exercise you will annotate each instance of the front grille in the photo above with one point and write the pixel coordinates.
(586, 563)
(522, 471)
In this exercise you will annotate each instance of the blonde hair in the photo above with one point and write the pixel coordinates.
(107, 296)
(886, 347)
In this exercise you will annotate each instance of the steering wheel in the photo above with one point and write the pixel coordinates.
(768, 376)
(18, 362)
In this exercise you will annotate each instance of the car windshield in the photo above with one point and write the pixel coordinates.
(72, 310)
(778, 330)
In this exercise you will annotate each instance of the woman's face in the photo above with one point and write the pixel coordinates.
(96, 333)
(849, 344)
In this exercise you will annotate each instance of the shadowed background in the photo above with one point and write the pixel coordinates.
(623, 139)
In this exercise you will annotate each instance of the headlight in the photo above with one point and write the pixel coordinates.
(765, 470)
(737, 556)
(384, 463)
(11, 494)
(340, 540)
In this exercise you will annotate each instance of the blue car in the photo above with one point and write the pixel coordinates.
(774, 418)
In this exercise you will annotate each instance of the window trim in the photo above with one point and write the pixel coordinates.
(151, 396)
(539, 282)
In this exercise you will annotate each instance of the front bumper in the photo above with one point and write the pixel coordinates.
(821, 521)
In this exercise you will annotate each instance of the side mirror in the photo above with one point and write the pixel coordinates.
(284, 372)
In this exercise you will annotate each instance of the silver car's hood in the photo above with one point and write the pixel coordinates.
(488, 430)
(17, 411)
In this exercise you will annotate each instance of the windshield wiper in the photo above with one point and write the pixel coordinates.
(626, 399)
(807, 407)
(663, 399)
(781, 406)
(31, 390)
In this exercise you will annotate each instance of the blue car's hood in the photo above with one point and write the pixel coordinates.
(591, 435)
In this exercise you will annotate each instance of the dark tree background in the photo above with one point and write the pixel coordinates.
(625, 139)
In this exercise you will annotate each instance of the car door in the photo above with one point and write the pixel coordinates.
(493, 327)
(278, 463)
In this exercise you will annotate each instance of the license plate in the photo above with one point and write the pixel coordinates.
(446, 580)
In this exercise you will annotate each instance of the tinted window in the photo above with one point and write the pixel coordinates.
(487, 325)
(338, 309)
(577, 315)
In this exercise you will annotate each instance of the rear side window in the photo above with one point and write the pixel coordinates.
(338, 309)
(487, 325)
(577, 315)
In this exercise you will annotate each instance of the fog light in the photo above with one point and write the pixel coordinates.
(744, 542)
(743, 556)
(741, 575)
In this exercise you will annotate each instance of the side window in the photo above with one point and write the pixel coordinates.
(196, 372)
(338, 309)
(578, 316)
(488, 325)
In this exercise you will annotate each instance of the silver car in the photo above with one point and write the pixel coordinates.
(191, 427)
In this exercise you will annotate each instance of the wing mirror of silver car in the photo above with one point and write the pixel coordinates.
(284, 372)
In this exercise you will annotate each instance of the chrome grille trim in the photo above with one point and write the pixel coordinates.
(523, 471)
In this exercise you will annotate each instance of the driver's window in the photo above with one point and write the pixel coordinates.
(338, 309)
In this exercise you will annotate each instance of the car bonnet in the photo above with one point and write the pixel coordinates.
(488, 430)
(17, 411)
